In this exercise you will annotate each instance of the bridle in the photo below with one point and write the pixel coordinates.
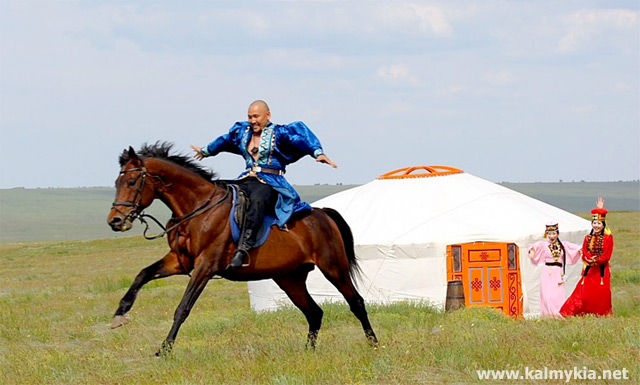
(137, 199)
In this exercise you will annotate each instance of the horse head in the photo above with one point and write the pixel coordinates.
(134, 191)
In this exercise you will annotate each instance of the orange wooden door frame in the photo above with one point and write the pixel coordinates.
(490, 274)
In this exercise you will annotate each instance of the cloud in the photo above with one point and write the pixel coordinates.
(413, 19)
(398, 74)
(582, 110)
(432, 19)
(500, 79)
(393, 109)
(303, 59)
(589, 27)
(452, 90)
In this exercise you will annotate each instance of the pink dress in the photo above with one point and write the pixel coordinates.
(552, 292)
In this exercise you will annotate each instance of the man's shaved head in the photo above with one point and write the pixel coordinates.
(258, 115)
(260, 103)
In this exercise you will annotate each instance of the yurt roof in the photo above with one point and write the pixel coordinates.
(442, 205)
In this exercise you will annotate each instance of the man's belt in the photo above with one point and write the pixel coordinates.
(553, 264)
(257, 169)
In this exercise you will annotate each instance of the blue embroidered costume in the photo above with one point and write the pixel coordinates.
(280, 145)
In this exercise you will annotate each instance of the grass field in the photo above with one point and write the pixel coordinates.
(58, 298)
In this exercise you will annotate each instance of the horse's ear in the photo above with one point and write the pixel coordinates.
(133, 157)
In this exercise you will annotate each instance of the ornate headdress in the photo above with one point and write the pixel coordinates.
(599, 214)
(551, 226)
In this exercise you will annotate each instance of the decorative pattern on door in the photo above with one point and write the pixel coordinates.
(490, 274)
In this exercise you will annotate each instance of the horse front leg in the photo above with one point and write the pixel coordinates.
(199, 279)
(164, 267)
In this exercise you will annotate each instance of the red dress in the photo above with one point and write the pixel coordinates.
(592, 295)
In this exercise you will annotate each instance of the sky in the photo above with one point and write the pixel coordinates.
(518, 91)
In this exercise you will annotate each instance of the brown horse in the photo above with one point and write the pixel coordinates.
(199, 237)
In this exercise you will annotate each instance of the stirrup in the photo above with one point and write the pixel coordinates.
(231, 266)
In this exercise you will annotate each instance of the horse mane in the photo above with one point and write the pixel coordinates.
(162, 150)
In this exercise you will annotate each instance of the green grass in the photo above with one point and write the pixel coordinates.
(57, 299)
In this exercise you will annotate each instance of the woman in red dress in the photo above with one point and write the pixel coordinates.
(592, 295)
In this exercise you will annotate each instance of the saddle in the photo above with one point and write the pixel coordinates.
(240, 204)
(236, 217)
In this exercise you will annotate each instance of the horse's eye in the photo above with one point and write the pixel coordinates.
(132, 182)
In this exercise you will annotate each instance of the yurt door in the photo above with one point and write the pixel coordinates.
(490, 274)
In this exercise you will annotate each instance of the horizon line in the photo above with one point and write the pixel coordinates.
(345, 184)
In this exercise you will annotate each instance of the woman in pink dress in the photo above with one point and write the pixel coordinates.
(554, 255)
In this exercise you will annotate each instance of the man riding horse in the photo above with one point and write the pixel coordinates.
(267, 148)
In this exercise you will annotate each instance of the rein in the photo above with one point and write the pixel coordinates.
(206, 206)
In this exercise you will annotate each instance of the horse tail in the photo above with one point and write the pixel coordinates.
(347, 239)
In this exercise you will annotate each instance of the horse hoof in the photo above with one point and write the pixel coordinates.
(119, 320)
(312, 341)
(164, 350)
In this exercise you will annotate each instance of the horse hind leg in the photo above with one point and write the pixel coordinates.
(294, 286)
(164, 267)
(358, 308)
(342, 281)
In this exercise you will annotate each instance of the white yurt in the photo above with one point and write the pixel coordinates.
(416, 229)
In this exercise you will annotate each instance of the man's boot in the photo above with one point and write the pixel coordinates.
(237, 259)
(246, 243)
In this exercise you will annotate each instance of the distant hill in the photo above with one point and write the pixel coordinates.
(80, 213)
(581, 196)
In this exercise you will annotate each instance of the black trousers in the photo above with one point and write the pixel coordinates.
(263, 200)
